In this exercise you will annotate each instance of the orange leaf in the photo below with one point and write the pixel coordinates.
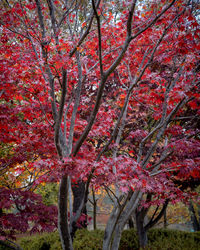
(83, 24)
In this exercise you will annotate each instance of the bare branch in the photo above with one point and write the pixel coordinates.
(162, 130)
(129, 38)
(66, 13)
(133, 83)
(53, 19)
(86, 32)
(101, 88)
(130, 17)
(108, 190)
(99, 36)
(154, 20)
(65, 117)
(161, 123)
(41, 19)
(14, 31)
(77, 101)
(41, 106)
(153, 221)
(60, 113)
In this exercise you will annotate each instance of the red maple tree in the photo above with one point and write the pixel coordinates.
(99, 94)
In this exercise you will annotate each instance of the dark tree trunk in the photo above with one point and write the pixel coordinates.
(199, 214)
(130, 222)
(63, 215)
(142, 232)
(195, 223)
(142, 229)
(94, 210)
(79, 194)
(165, 218)
(95, 217)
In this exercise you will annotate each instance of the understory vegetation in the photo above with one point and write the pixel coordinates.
(164, 239)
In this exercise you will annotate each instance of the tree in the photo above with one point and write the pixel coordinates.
(78, 77)
(194, 217)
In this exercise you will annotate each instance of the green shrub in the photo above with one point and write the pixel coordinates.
(40, 241)
(129, 240)
(158, 239)
(172, 240)
(88, 240)
(56, 245)
(4, 247)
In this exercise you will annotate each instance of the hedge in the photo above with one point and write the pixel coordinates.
(158, 239)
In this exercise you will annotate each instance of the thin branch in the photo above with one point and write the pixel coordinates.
(86, 32)
(27, 20)
(153, 221)
(65, 117)
(60, 113)
(41, 19)
(109, 190)
(41, 106)
(185, 118)
(155, 211)
(162, 158)
(102, 85)
(99, 37)
(66, 13)
(107, 53)
(162, 121)
(92, 117)
(130, 17)
(143, 104)
(130, 38)
(14, 31)
(162, 130)
(135, 81)
(1, 93)
(53, 20)
(90, 201)
(154, 20)
(77, 101)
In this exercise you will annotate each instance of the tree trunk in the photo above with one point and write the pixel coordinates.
(129, 209)
(94, 210)
(196, 225)
(198, 206)
(79, 194)
(63, 226)
(110, 228)
(130, 222)
(142, 236)
(117, 236)
(165, 218)
(118, 219)
(142, 232)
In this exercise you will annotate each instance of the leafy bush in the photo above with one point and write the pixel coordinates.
(44, 241)
(158, 239)
(129, 240)
(173, 239)
(88, 240)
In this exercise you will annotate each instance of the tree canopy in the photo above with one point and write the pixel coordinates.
(96, 93)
